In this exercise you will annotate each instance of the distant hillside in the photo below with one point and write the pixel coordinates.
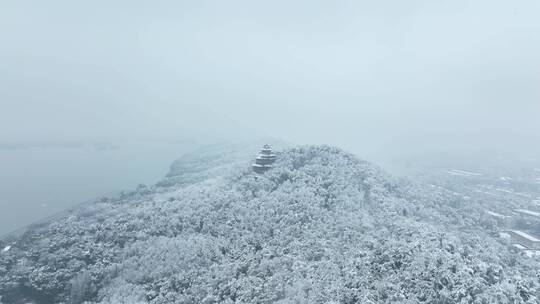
(321, 227)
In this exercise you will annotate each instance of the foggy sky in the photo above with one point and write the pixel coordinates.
(366, 75)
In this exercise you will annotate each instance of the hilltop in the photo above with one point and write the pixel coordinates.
(322, 226)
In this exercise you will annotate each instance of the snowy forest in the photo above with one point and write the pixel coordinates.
(321, 226)
(269, 152)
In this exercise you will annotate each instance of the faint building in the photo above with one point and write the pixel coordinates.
(501, 219)
(527, 220)
(264, 160)
(529, 214)
(522, 239)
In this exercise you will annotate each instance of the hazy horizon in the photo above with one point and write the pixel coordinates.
(417, 75)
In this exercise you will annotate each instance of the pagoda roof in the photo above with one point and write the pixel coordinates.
(266, 155)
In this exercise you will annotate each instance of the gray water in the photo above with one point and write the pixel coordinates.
(41, 180)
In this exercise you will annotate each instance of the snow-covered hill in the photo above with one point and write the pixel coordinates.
(321, 227)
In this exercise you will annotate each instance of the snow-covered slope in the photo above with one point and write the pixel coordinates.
(321, 227)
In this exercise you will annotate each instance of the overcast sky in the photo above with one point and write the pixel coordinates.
(418, 74)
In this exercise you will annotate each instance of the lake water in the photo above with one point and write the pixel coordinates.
(39, 181)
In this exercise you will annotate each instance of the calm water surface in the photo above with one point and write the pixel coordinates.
(36, 182)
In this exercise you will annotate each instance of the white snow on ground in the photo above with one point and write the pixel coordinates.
(526, 236)
(486, 186)
(467, 172)
(463, 173)
(485, 192)
(505, 178)
(528, 212)
(495, 214)
(512, 192)
(532, 253)
(519, 246)
(6, 249)
(522, 194)
(505, 235)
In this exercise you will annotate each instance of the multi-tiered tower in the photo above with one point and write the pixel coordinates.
(264, 161)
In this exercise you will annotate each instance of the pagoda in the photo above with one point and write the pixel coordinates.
(264, 160)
